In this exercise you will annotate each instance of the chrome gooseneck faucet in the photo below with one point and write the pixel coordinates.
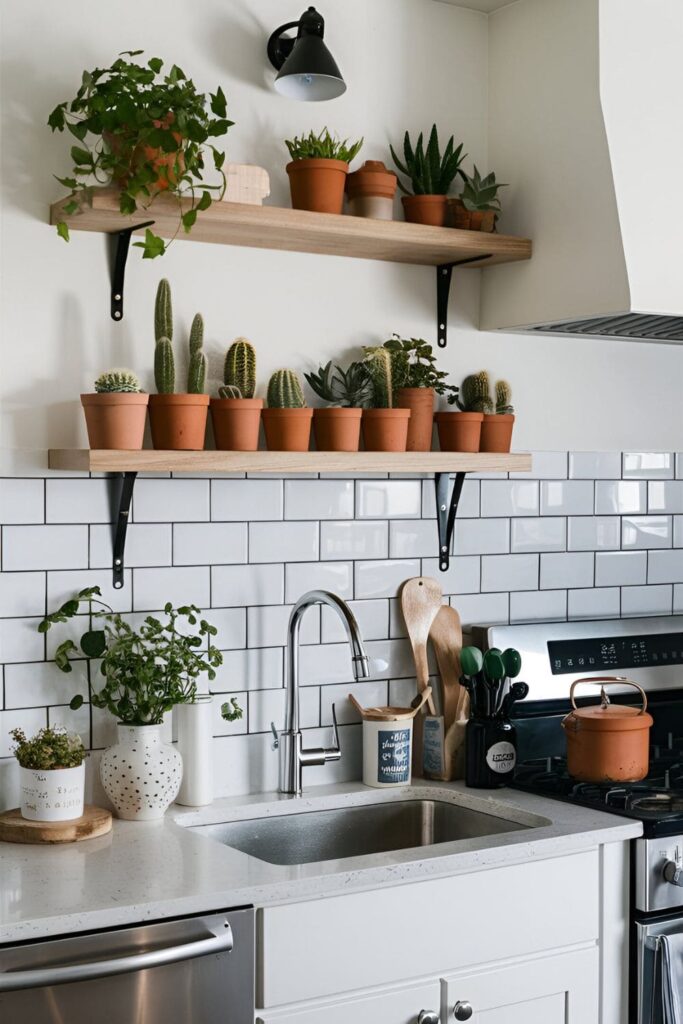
(293, 756)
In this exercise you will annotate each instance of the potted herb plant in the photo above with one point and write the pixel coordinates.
(287, 420)
(371, 191)
(317, 171)
(178, 421)
(51, 774)
(146, 133)
(337, 428)
(236, 414)
(416, 383)
(385, 428)
(116, 412)
(147, 671)
(431, 175)
(478, 206)
(496, 430)
(461, 431)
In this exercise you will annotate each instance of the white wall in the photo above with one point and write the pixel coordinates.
(407, 63)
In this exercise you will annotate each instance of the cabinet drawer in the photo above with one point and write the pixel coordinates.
(321, 947)
(398, 1005)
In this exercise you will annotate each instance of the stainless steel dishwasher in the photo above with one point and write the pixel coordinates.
(192, 969)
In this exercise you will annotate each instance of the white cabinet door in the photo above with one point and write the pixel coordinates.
(561, 989)
(396, 1005)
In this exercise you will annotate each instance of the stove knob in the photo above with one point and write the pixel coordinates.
(462, 1010)
(673, 873)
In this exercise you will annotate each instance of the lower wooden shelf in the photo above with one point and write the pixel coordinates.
(149, 461)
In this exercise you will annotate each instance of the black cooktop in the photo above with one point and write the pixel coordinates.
(657, 801)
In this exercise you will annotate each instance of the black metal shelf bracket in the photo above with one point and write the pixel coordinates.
(446, 511)
(122, 498)
(444, 272)
(121, 241)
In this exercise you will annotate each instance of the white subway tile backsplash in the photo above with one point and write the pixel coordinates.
(572, 569)
(502, 498)
(678, 598)
(319, 499)
(482, 536)
(78, 501)
(62, 586)
(20, 640)
(468, 506)
(477, 609)
(247, 500)
(22, 501)
(372, 618)
(540, 533)
(595, 603)
(44, 547)
(303, 576)
(463, 575)
(22, 593)
(538, 606)
(593, 533)
(620, 497)
(595, 465)
(37, 684)
(175, 501)
(646, 532)
(147, 545)
(211, 544)
(231, 624)
(648, 465)
(353, 540)
(665, 566)
(237, 586)
(267, 626)
(665, 496)
(620, 568)
(279, 542)
(179, 585)
(388, 499)
(412, 538)
(268, 706)
(567, 497)
(259, 668)
(324, 664)
(646, 601)
(545, 466)
(383, 578)
(509, 572)
(678, 541)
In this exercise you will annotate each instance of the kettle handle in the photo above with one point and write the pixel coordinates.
(608, 681)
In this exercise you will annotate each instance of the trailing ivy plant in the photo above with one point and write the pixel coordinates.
(146, 132)
(48, 750)
(146, 670)
(322, 146)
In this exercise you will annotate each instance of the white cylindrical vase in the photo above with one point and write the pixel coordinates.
(54, 795)
(141, 774)
(195, 742)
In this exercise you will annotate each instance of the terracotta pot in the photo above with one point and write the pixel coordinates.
(425, 210)
(385, 430)
(371, 191)
(287, 430)
(420, 401)
(115, 419)
(469, 220)
(149, 154)
(337, 430)
(459, 431)
(236, 423)
(317, 184)
(608, 742)
(178, 422)
(496, 432)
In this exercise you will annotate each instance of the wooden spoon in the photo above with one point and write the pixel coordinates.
(420, 601)
(446, 636)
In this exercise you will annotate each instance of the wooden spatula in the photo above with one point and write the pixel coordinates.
(420, 601)
(446, 638)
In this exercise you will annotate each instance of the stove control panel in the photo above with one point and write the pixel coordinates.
(612, 653)
(659, 873)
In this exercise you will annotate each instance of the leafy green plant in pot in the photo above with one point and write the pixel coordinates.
(146, 671)
(236, 414)
(148, 134)
(478, 206)
(287, 419)
(496, 430)
(116, 412)
(431, 174)
(337, 428)
(385, 427)
(416, 382)
(51, 774)
(178, 421)
(317, 171)
(461, 431)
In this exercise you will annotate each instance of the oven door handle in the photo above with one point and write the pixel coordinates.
(222, 942)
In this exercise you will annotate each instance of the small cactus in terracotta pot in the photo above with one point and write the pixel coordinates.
(496, 430)
(385, 429)
(461, 431)
(178, 421)
(236, 414)
(115, 414)
(287, 420)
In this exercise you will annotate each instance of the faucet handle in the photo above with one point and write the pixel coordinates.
(276, 738)
(336, 746)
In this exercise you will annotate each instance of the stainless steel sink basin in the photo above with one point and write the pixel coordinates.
(356, 831)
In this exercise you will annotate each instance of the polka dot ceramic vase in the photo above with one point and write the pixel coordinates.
(141, 775)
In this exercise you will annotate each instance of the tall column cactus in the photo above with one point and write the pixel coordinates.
(475, 393)
(239, 371)
(196, 373)
(503, 398)
(163, 311)
(380, 367)
(164, 362)
(285, 391)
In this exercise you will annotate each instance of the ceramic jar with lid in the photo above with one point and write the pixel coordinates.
(371, 191)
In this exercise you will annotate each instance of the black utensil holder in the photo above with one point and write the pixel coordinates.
(490, 752)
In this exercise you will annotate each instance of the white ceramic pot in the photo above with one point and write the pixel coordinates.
(387, 747)
(141, 775)
(195, 743)
(55, 795)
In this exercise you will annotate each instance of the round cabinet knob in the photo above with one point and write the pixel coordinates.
(673, 873)
(428, 1017)
(462, 1010)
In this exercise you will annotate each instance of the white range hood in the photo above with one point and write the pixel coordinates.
(586, 104)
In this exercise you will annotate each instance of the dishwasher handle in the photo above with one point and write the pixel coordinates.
(222, 942)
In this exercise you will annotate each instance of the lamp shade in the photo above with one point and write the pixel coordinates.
(306, 68)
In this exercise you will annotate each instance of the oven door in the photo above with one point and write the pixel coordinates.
(649, 966)
(198, 969)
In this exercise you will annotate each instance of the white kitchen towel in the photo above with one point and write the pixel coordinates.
(672, 978)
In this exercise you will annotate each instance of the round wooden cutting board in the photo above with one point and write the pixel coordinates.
(94, 821)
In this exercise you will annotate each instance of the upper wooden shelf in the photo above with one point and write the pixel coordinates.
(149, 461)
(272, 227)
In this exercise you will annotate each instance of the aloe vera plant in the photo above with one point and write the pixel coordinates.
(430, 172)
(322, 146)
(480, 194)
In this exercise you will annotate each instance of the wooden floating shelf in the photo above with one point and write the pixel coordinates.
(272, 227)
(149, 461)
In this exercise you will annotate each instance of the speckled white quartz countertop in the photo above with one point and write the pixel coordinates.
(147, 871)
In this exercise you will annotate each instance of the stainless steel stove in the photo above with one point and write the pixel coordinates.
(651, 652)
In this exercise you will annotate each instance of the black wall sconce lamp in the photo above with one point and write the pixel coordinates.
(306, 68)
